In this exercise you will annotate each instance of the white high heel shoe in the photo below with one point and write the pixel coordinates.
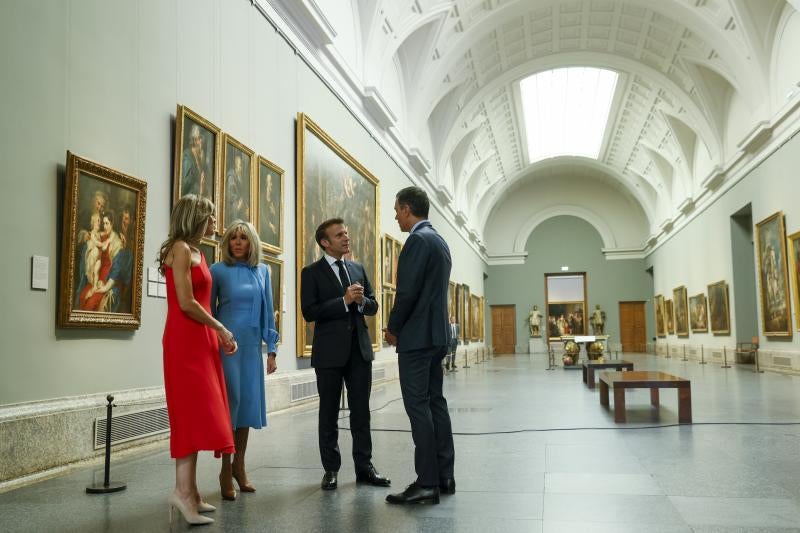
(190, 515)
(205, 507)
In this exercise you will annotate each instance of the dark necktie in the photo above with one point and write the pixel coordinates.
(345, 281)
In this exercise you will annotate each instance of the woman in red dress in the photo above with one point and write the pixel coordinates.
(197, 402)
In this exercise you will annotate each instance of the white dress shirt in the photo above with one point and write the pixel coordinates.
(345, 282)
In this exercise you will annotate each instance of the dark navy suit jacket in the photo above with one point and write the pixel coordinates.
(419, 317)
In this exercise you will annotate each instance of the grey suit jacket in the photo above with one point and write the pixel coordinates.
(419, 317)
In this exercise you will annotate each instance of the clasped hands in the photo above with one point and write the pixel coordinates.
(227, 341)
(354, 293)
(389, 337)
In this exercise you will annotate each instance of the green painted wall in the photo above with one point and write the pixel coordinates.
(567, 240)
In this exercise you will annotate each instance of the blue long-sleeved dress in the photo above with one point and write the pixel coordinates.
(241, 298)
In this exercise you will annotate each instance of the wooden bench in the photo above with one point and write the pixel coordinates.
(590, 366)
(619, 381)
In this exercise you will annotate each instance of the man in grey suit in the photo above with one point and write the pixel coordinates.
(419, 328)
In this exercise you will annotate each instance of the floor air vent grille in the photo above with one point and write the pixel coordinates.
(132, 425)
(378, 374)
(303, 390)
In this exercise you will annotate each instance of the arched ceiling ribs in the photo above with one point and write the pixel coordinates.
(473, 179)
(596, 221)
(490, 196)
(416, 50)
(665, 170)
(459, 155)
(443, 116)
(713, 93)
(758, 19)
(685, 138)
(724, 43)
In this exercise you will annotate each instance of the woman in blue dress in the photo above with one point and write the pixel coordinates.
(241, 298)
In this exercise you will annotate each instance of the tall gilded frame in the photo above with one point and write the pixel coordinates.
(390, 252)
(475, 317)
(660, 314)
(698, 313)
(773, 277)
(719, 314)
(187, 168)
(274, 264)
(227, 200)
(271, 235)
(681, 311)
(332, 183)
(452, 307)
(102, 247)
(794, 273)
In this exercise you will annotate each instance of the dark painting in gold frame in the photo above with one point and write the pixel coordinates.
(275, 267)
(387, 302)
(197, 152)
(794, 271)
(669, 315)
(237, 188)
(718, 308)
(660, 312)
(332, 183)
(389, 258)
(698, 313)
(475, 318)
(776, 312)
(681, 311)
(210, 250)
(102, 247)
(269, 205)
(452, 308)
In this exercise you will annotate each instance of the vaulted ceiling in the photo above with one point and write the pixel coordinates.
(441, 78)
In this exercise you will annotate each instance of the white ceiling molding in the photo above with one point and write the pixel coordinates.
(512, 258)
(378, 108)
(313, 22)
(619, 254)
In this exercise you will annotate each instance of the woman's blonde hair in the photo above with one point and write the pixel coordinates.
(187, 223)
(249, 231)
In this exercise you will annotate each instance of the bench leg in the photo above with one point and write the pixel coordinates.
(654, 396)
(603, 393)
(590, 378)
(619, 404)
(685, 405)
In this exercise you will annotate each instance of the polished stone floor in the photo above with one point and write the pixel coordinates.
(535, 451)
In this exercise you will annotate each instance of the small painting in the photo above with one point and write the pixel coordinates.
(659, 311)
(269, 215)
(681, 311)
(698, 313)
(719, 311)
(237, 183)
(197, 146)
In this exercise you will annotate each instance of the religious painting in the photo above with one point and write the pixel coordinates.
(659, 311)
(451, 300)
(565, 318)
(475, 318)
(197, 146)
(718, 308)
(275, 267)
(681, 311)
(794, 261)
(389, 261)
(669, 314)
(698, 313)
(237, 183)
(210, 250)
(269, 206)
(386, 308)
(102, 247)
(463, 311)
(773, 276)
(482, 310)
(332, 183)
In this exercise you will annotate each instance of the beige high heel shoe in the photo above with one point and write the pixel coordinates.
(190, 515)
(205, 507)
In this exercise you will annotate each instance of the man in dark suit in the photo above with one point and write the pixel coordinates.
(335, 294)
(450, 360)
(419, 328)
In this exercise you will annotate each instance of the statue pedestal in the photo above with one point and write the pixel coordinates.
(537, 345)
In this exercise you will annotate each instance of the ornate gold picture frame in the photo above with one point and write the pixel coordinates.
(776, 312)
(698, 313)
(197, 153)
(210, 250)
(681, 311)
(794, 271)
(718, 308)
(332, 183)
(275, 267)
(102, 247)
(237, 189)
(269, 205)
(660, 314)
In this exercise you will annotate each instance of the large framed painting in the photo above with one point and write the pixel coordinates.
(681, 311)
(669, 314)
(659, 311)
(197, 147)
(210, 250)
(774, 279)
(332, 183)
(482, 310)
(565, 318)
(719, 311)
(698, 313)
(475, 315)
(386, 307)
(451, 299)
(389, 261)
(269, 206)
(102, 247)
(794, 262)
(463, 311)
(275, 267)
(237, 183)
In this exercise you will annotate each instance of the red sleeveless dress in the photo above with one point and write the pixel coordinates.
(197, 402)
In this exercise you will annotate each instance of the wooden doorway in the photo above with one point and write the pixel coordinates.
(632, 327)
(504, 328)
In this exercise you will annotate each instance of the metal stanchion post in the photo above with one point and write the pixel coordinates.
(725, 358)
(757, 370)
(466, 359)
(107, 485)
(684, 353)
(668, 356)
(702, 355)
(551, 363)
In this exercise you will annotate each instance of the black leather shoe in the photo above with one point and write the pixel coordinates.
(415, 494)
(447, 486)
(372, 477)
(329, 480)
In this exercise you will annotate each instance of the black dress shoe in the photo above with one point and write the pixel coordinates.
(447, 486)
(415, 494)
(329, 480)
(372, 477)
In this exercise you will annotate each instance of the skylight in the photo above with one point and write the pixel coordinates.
(566, 111)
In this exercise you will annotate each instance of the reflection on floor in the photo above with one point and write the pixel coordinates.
(535, 452)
